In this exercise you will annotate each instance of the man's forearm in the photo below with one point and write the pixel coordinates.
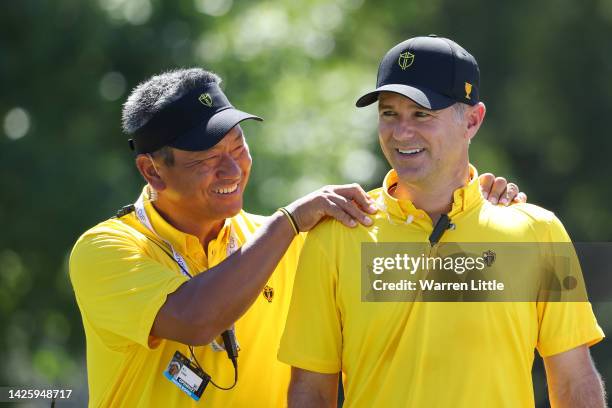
(584, 392)
(303, 399)
(309, 389)
(208, 304)
(573, 380)
(212, 301)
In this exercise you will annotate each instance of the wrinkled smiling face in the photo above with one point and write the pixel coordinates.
(422, 145)
(209, 184)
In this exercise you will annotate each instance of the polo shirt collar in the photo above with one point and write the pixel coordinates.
(182, 242)
(463, 198)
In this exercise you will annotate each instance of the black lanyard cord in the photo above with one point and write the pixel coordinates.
(234, 363)
(231, 348)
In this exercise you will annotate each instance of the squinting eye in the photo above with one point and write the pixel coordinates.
(208, 160)
(421, 114)
(195, 163)
(388, 113)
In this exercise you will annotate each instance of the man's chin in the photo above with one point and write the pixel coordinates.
(410, 175)
(230, 208)
(226, 205)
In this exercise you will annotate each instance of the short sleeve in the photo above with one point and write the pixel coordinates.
(312, 339)
(565, 325)
(119, 288)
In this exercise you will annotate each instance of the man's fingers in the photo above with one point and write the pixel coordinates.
(356, 193)
(498, 190)
(351, 209)
(347, 203)
(486, 182)
(520, 198)
(336, 211)
(508, 196)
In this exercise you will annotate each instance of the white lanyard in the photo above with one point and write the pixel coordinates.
(141, 214)
(232, 246)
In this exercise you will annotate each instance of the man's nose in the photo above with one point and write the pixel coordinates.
(229, 168)
(404, 130)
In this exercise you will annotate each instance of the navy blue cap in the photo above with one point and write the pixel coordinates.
(196, 121)
(434, 72)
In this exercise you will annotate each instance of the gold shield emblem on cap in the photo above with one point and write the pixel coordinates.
(206, 99)
(268, 293)
(405, 60)
(468, 90)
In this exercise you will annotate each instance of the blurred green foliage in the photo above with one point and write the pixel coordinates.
(67, 65)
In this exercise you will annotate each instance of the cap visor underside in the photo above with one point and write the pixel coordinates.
(209, 133)
(424, 97)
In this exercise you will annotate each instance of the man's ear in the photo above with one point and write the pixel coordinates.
(149, 170)
(475, 117)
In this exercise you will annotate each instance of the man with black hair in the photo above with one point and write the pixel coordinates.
(159, 283)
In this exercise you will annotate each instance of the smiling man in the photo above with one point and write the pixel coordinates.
(420, 353)
(160, 284)
(147, 308)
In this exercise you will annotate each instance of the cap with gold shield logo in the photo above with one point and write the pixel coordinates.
(196, 121)
(434, 72)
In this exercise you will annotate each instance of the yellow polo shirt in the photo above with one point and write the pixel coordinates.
(426, 354)
(122, 273)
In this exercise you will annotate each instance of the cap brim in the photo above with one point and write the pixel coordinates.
(209, 133)
(423, 96)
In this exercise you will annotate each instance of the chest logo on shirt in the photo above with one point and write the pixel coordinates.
(489, 257)
(268, 293)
